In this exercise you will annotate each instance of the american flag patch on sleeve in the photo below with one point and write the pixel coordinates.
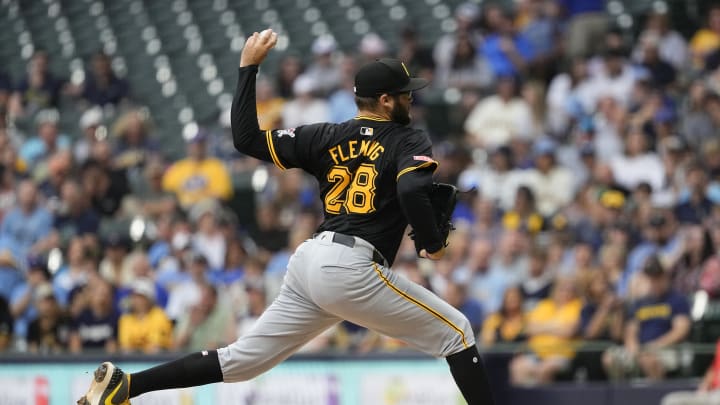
(423, 158)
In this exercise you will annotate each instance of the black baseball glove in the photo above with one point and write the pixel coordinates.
(443, 198)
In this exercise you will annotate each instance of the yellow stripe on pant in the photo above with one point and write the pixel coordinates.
(421, 305)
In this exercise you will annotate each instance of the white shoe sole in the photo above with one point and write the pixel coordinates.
(101, 378)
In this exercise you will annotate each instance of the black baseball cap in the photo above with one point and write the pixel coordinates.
(386, 75)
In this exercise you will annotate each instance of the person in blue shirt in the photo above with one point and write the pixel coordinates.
(456, 295)
(22, 299)
(655, 324)
(24, 227)
(587, 23)
(48, 140)
(507, 52)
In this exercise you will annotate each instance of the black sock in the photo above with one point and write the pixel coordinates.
(469, 373)
(189, 371)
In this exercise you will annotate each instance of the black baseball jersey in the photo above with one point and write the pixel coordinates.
(357, 164)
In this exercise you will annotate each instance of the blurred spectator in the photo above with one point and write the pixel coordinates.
(498, 119)
(290, 68)
(706, 40)
(484, 284)
(92, 132)
(134, 145)
(662, 73)
(551, 182)
(5, 90)
(198, 176)
(270, 236)
(39, 89)
(694, 205)
(105, 187)
(695, 122)
(523, 215)
(269, 105)
(491, 178)
(24, 227)
(466, 69)
(256, 304)
(508, 324)
(209, 324)
(101, 85)
(148, 196)
(687, 266)
(116, 264)
(539, 281)
(672, 47)
(639, 164)
(75, 215)
(10, 274)
(59, 170)
(507, 52)
(145, 327)
(655, 324)
(660, 236)
(48, 140)
(511, 257)
(76, 272)
(542, 28)
(323, 71)
(708, 391)
(417, 57)
(305, 107)
(185, 294)
(95, 328)
(457, 296)
(342, 101)
(563, 97)
(6, 326)
(22, 301)
(551, 326)
(49, 332)
(372, 47)
(467, 17)
(587, 23)
(601, 316)
(141, 269)
(207, 239)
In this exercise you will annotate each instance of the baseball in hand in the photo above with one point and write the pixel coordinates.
(265, 34)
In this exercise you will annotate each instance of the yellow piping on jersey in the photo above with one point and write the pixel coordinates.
(271, 148)
(421, 305)
(365, 117)
(411, 168)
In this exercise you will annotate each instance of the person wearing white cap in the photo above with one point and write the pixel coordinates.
(145, 327)
(323, 70)
(90, 120)
(305, 108)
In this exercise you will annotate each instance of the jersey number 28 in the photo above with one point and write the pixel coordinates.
(355, 192)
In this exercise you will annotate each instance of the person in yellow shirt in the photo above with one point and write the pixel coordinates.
(706, 40)
(145, 328)
(508, 324)
(551, 326)
(198, 177)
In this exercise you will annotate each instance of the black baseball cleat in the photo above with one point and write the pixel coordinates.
(110, 386)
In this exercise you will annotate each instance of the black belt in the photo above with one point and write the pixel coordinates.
(349, 241)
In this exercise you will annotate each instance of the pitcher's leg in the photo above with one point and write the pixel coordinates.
(399, 308)
(285, 326)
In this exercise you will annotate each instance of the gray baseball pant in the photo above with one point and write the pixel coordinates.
(327, 282)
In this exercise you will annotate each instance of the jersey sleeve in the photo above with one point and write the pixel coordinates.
(415, 152)
(296, 147)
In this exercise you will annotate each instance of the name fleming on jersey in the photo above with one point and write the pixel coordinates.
(344, 152)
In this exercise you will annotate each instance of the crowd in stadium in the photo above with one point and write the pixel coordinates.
(593, 160)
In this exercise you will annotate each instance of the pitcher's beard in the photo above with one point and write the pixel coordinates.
(400, 114)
